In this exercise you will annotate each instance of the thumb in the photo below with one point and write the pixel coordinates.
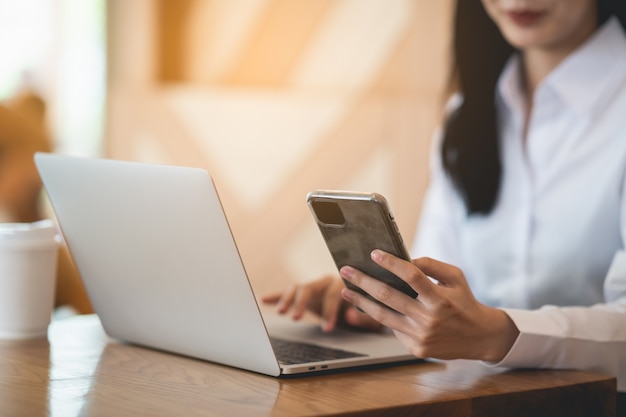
(443, 273)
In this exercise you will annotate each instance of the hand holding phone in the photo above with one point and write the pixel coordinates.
(353, 224)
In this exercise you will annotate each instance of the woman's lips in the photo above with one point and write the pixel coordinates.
(525, 18)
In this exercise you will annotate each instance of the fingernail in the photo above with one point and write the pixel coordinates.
(282, 306)
(346, 294)
(346, 272)
(376, 255)
(326, 326)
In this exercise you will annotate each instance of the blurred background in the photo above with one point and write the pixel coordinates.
(273, 97)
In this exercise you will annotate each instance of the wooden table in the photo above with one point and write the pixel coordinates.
(80, 372)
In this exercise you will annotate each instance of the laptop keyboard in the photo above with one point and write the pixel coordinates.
(289, 352)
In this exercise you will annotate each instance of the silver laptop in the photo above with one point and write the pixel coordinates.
(155, 251)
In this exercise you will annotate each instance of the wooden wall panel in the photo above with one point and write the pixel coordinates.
(275, 45)
(376, 134)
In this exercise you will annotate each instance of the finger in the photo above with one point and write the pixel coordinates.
(286, 299)
(446, 274)
(387, 295)
(407, 271)
(301, 301)
(378, 312)
(331, 305)
(271, 298)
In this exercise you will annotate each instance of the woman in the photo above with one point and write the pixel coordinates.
(527, 201)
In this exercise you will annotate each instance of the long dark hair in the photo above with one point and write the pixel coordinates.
(471, 150)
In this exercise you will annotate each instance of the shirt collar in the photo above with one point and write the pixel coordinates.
(583, 80)
(509, 85)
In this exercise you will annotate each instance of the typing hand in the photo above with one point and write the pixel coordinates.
(322, 298)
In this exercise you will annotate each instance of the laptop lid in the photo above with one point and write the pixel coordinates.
(157, 257)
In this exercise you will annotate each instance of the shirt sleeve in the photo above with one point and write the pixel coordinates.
(590, 338)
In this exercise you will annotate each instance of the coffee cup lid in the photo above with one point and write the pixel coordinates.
(40, 230)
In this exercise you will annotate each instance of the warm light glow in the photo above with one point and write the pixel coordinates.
(56, 47)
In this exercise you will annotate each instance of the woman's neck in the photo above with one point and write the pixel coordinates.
(536, 65)
(539, 62)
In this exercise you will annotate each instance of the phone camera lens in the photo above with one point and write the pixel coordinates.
(328, 213)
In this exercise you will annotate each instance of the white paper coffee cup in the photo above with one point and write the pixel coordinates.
(28, 260)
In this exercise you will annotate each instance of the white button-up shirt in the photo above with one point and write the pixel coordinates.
(552, 252)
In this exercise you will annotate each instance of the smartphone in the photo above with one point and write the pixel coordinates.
(353, 224)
